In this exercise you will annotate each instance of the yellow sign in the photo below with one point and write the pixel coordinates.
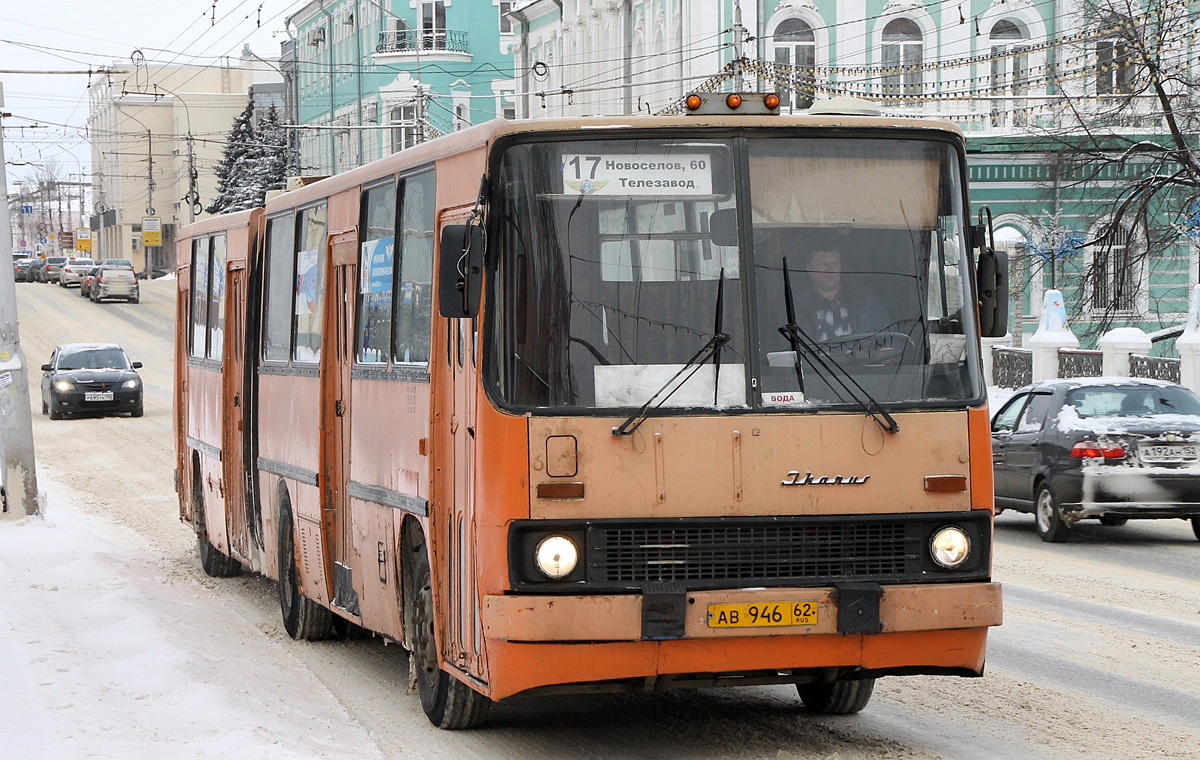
(83, 239)
(151, 230)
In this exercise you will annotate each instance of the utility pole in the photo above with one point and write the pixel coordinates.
(738, 33)
(16, 419)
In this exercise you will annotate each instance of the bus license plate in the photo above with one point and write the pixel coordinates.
(98, 396)
(750, 614)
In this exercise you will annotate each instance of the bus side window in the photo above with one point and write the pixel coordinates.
(413, 298)
(277, 322)
(377, 276)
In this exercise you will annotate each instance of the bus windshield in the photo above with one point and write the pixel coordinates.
(762, 272)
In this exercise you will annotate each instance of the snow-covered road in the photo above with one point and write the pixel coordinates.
(114, 644)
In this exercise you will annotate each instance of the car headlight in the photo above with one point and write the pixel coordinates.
(64, 385)
(950, 547)
(131, 383)
(556, 556)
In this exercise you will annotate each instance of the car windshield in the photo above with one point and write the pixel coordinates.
(93, 358)
(766, 272)
(1107, 401)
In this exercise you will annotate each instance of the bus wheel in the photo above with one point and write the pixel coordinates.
(448, 702)
(1048, 516)
(837, 698)
(303, 618)
(215, 564)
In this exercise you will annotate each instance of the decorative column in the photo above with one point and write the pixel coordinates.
(1118, 344)
(1052, 334)
(1188, 345)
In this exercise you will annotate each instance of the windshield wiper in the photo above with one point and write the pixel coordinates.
(711, 348)
(832, 368)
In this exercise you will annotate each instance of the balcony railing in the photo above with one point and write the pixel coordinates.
(416, 41)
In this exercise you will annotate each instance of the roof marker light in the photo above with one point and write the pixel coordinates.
(733, 100)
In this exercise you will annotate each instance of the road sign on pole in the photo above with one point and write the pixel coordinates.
(151, 230)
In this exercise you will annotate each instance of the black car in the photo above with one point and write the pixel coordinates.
(92, 378)
(1108, 448)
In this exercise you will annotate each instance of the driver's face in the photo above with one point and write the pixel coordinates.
(826, 270)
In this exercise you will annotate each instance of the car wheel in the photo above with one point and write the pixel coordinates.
(134, 299)
(1048, 516)
(1113, 521)
(448, 702)
(837, 698)
(138, 412)
(303, 619)
(1196, 526)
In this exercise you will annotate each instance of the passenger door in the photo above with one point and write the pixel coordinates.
(1003, 425)
(1021, 456)
(232, 454)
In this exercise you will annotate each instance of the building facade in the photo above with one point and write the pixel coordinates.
(157, 133)
(370, 77)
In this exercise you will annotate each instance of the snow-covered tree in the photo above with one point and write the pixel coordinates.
(232, 174)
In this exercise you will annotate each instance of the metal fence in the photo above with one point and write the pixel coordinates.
(1011, 367)
(418, 41)
(1074, 362)
(1157, 367)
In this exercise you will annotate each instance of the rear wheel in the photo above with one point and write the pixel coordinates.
(1196, 526)
(837, 698)
(1048, 516)
(303, 618)
(448, 702)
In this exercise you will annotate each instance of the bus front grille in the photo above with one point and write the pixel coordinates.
(738, 554)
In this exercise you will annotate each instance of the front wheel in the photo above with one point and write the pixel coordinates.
(837, 698)
(214, 563)
(1048, 516)
(448, 702)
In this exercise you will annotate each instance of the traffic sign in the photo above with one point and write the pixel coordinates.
(66, 239)
(151, 230)
(43, 241)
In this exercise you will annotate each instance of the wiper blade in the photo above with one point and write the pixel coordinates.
(637, 418)
(833, 369)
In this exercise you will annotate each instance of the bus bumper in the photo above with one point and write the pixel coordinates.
(540, 641)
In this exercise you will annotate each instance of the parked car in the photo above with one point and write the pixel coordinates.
(21, 270)
(72, 272)
(34, 273)
(1109, 448)
(114, 282)
(49, 273)
(86, 280)
(95, 378)
(117, 263)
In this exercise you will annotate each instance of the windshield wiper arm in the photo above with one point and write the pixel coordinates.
(637, 418)
(833, 369)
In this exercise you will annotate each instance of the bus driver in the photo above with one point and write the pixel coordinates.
(828, 314)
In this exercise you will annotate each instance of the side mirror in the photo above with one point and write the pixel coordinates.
(991, 277)
(460, 271)
(722, 226)
(47, 368)
(137, 365)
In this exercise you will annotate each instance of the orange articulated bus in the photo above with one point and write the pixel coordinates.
(608, 404)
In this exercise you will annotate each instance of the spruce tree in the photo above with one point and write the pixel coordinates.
(232, 171)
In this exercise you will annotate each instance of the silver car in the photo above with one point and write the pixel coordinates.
(73, 271)
(115, 282)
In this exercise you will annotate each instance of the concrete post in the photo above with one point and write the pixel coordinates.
(1118, 344)
(16, 420)
(1188, 345)
(986, 345)
(1052, 334)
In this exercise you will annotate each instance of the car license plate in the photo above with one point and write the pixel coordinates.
(98, 396)
(748, 614)
(1169, 452)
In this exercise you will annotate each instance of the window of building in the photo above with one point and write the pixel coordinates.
(1010, 72)
(795, 45)
(414, 282)
(405, 128)
(376, 274)
(433, 24)
(1115, 273)
(901, 58)
(1114, 60)
(506, 26)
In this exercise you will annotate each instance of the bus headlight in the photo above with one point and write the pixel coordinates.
(950, 547)
(556, 556)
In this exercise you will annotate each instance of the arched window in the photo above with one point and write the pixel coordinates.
(902, 56)
(795, 45)
(1114, 58)
(1010, 72)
